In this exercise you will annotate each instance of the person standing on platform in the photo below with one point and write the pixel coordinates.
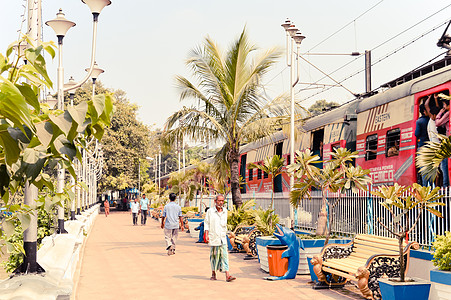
(144, 203)
(215, 231)
(106, 205)
(134, 207)
(170, 222)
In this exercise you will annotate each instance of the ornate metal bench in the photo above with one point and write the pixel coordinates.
(243, 238)
(366, 259)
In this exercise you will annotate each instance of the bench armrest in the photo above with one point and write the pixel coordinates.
(336, 250)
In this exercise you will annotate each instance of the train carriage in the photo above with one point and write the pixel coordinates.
(330, 130)
(386, 124)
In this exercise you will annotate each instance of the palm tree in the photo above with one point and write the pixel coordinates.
(231, 106)
(273, 167)
(183, 182)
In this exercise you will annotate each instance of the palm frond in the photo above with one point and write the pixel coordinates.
(430, 156)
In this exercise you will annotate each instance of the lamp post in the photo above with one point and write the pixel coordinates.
(95, 72)
(293, 36)
(61, 25)
(75, 203)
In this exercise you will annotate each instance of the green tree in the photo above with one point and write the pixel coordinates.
(321, 106)
(272, 166)
(126, 141)
(231, 106)
(33, 137)
(406, 199)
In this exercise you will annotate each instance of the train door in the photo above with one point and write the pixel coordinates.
(243, 173)
(278, 179)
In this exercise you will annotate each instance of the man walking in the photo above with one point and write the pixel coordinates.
(215, 232)
(134, 207)
(144, 204)
(171, 220)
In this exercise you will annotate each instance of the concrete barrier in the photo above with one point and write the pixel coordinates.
(59, 255)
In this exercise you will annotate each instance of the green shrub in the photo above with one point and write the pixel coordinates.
(15, 250)
(266, 220)
(442, 253)
(189, 208)
(242, 215)
(315, 237)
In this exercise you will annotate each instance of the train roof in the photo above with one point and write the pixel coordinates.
(414, 85)
(335, 115)
(273, 138)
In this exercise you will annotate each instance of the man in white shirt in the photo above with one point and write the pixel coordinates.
(215, 232)
(134, 207)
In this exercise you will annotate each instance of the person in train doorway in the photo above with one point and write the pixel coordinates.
(421, 134)
(215, 232)
(442, 122)
(134, 210)
(144, 205)
(171, 221)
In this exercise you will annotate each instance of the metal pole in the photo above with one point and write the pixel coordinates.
(368, 71)
(61, 171)
(159, 173)
(178, 152)
(30, 264)
(139, 176)
(183, 149)
(291, 121)
(78, 188)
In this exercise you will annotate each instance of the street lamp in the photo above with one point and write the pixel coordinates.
(61, 25)
(70, 84)
(95, 72)
(293, 36)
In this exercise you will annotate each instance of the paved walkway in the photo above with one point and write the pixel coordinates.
(122, 261)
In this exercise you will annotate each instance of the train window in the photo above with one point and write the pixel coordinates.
(259, 174)
(335, 147)
(251, 174)
(265, 175)
(392, 142)
(371, 147)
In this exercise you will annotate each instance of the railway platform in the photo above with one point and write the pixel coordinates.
(122, 261)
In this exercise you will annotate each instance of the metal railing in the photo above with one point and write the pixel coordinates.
(354, 214)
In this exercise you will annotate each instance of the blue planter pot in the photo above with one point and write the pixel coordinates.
(391, 290)
(442, 277)
(311, 247)
(313, 276)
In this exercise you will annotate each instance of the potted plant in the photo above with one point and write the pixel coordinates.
(441, 276)
(399, 201)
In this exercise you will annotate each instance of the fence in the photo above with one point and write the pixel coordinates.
(359, 214)
(354, 214)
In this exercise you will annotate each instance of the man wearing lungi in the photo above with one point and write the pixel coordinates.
(215, 231)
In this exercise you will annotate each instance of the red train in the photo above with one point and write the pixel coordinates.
(380, 127)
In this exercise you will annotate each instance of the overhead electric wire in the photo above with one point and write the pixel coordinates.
(361, 15)
(376, 62)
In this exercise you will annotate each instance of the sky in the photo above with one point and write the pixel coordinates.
(143, 45)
